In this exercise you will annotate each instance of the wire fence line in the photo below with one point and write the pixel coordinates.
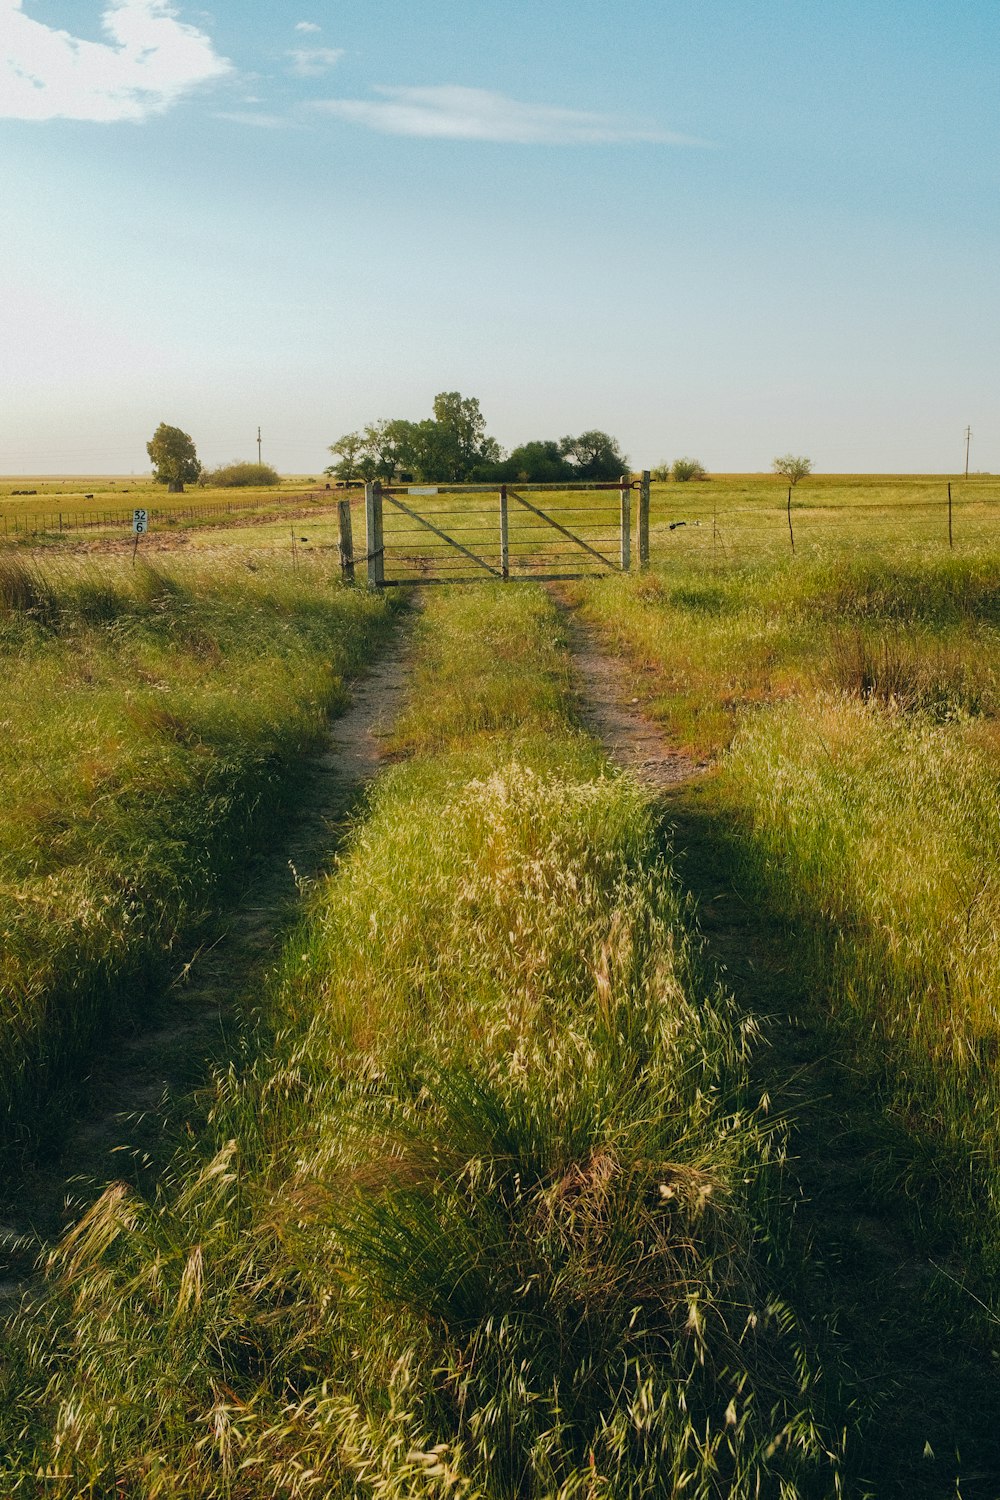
(16, 521)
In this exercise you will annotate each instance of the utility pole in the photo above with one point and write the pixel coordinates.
(968, 437)
(258, 450)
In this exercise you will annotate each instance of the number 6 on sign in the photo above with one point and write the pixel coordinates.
(140, 525)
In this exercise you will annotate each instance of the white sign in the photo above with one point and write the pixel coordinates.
(140, 522)
(422, 489)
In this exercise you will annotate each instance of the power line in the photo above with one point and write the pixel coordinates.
(968, 439)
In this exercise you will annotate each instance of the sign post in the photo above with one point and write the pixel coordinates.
(140, 525)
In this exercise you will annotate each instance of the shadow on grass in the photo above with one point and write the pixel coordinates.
(916, 1356)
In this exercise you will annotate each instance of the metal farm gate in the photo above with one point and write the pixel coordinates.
(460, 533)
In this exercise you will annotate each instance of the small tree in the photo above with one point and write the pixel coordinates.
(175, 462)
(349, 449)
(683, 469)
(792, 468)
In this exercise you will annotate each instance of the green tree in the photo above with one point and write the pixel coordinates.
(791, 467)
(175, 462)
(349, 450)
(391, 446)
(459, 444)
(539, 462)
(450, 446)
(595, 455)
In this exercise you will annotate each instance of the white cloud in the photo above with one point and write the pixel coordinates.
(307, 26)
(310, 62)
(149, 62)
(450, 112)
(257, 118)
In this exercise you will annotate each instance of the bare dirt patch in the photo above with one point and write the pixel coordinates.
(617, 720)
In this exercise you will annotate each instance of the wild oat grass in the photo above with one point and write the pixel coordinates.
(854, 709)
(151, 722)
(491, 1209)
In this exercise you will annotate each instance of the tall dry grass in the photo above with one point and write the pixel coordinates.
(491, 1208)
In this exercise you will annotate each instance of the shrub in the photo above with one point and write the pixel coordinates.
(687, 468)
(240, 475)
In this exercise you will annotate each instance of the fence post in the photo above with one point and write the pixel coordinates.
(373, 534)
(951, 536)
(644, 520)
(346, 540)
(504, 536)
(626, 496)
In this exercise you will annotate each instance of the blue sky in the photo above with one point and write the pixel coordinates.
(726, 229)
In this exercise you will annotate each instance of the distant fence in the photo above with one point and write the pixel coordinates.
(15, 522)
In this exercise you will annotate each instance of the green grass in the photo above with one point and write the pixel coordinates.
(491, 1208)
(152, 721)
(851, 705)
(736, 520)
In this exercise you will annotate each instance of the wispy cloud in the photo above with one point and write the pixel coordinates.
(312, 62)
(256, 118)
(307, 26)
(450, 112)
(151, 59)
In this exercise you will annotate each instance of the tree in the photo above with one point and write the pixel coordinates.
(175, 462)
(595, 455)
(390, 446)
(451, 445)
(348, 449)
(792, 468)
(539, 462)
(459, 444)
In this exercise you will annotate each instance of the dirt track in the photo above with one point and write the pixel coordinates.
(131, 1102)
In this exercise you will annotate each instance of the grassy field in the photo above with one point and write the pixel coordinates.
(153, 721)
(491, 1207)
(70, 512)
(734, 520)
(731, 519)
(851, 707)
(497, 1199)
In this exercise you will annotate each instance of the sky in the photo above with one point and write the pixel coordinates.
(726, 229)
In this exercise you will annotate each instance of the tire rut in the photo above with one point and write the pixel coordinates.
(139, 1087)
(928, 1395)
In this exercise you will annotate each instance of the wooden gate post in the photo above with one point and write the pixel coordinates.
(373, 534)
(644, 521)
(504, 536)
(626, 496)
(346, 540)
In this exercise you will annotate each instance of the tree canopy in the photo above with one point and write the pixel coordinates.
(791, 467)
(175, 462)
(454, 446)
(595, 455)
